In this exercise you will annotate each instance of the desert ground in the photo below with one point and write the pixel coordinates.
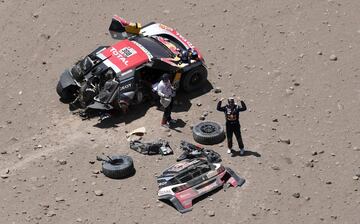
(295, 64)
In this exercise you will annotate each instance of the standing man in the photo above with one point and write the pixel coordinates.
(166, 92)
(232, 111)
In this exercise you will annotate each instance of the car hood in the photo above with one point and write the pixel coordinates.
(124, 55)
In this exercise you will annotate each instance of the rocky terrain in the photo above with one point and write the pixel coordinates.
(295, 64)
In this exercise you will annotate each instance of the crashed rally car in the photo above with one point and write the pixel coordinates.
(189, 179)
(114, 77)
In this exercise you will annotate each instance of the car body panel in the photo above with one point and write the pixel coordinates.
(125, 55)
(183, 194)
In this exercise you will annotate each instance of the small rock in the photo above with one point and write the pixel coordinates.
(144, 188)
(319, 53)
(78, 220)
(50, 213)
(19, 156)
(217, 90)
(285, 140)
(296, 195)
(3, 152)
(314, 153)
(169, 134)
(7, 171)
(92, 139)
(333, 57)
(274, 167)
(275, 120)
(307, 198)
(35, 15)
(98, 193)
(198, 104)
(328, 182)
(96, 171)
(44, 205)
(91, 161)
(59, 199)
(202, 118)
(62, 162)
(355, 177)
(211, 213)
(161, 205)
(4, 176)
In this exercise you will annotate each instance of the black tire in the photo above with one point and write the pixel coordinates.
(66, 94)
(208, 133)
(120, 167)
(194, 79)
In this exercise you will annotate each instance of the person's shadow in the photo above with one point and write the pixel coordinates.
(246, 153)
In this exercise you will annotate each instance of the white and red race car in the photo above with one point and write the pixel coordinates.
(114, 77)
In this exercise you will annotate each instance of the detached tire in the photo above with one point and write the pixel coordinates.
(208, 133)
(121, 167)
(194, 79)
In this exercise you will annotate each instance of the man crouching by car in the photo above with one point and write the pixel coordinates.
(166, 92)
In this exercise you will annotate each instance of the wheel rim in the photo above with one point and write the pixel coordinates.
(208, 128)
(117, 161)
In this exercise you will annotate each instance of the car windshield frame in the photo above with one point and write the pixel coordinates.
(155, 47)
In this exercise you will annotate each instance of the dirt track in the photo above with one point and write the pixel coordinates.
(273, 54)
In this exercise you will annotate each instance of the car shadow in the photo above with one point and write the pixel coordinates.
(246, 153)
(182, 103)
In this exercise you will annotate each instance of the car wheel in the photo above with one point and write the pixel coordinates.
(208, 133)
(119, 167)
(66, 94)
(194, 79)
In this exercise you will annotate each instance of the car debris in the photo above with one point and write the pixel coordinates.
(117, 166)
(187, 180)
(152, 148)
(136, 134)
(192, 151)
(115, 77)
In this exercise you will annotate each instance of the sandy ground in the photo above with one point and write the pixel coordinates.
(273, 54)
